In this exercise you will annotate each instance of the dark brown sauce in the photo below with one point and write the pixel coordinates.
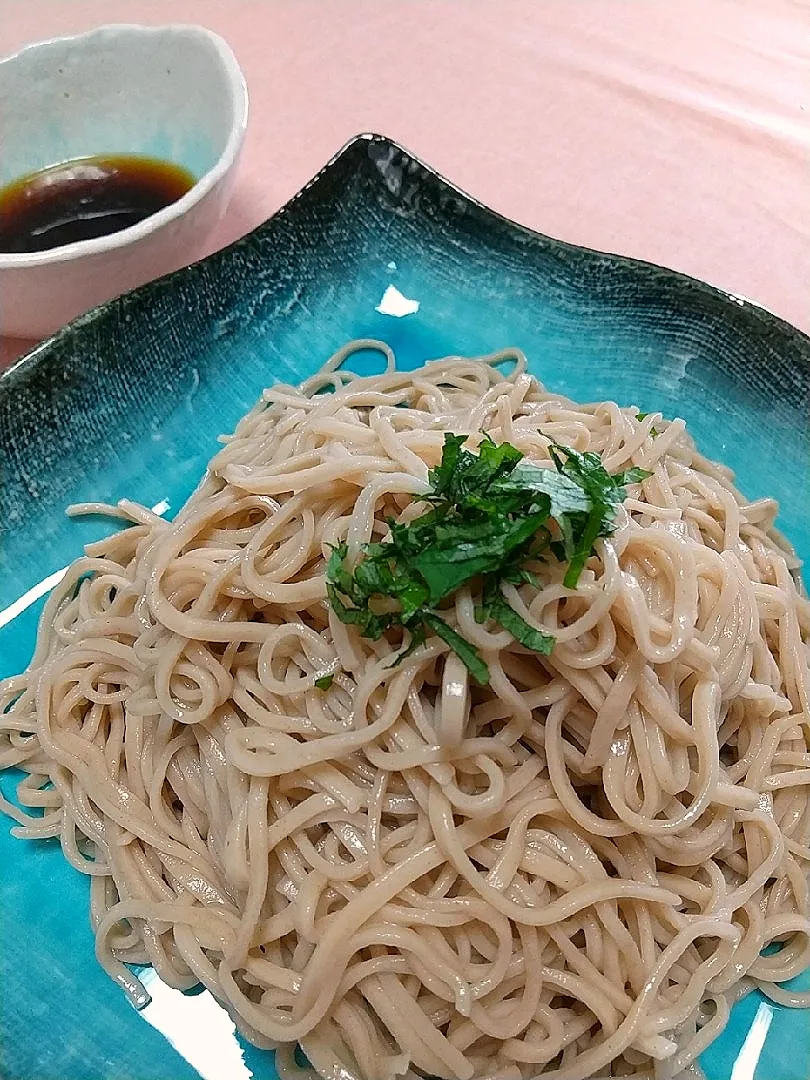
(86, 198)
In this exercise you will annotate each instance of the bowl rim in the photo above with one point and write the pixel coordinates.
(227, 158)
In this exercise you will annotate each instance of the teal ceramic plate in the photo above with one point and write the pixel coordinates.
(129, 400)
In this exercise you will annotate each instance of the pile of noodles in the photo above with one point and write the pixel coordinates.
(572, 872)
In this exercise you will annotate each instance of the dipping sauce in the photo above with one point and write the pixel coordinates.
(85, 198)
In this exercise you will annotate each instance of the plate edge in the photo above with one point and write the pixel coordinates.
(767, 319)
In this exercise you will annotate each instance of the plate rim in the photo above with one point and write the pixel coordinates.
(735, 304)
(734, 312)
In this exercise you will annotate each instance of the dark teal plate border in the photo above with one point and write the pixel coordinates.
(129, 399)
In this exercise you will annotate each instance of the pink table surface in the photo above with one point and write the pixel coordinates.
(672, 130)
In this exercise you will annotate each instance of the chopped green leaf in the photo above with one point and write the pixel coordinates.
(417, 639)
(489, 592)
(454, 560)
(517, 626)
(324, 682)
(632, 476)
(583, 549)
(565, 496)
(606, 492)
(643, 416)
(467, 479)
(441, 478)
(371, 625)
(492, 515)
(467, 653)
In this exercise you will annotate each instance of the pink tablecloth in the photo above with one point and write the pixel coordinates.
(673, 130)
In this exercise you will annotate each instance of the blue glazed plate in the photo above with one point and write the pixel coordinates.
(129, 400)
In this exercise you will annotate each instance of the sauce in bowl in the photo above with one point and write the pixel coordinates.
(85, 198)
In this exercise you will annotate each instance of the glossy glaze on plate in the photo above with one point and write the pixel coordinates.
(128, 401)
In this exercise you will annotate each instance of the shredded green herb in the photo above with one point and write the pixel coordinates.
(494, 517)
(324, 682)
(643, 416)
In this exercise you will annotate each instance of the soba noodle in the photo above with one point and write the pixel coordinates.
(572, 872)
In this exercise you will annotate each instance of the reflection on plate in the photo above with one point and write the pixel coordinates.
(130, 399)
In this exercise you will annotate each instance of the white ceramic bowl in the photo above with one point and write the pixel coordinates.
(171, 92)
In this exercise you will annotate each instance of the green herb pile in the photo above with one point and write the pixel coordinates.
(492, 516)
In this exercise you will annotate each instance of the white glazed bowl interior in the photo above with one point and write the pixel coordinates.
(171, 92)
(160, 91)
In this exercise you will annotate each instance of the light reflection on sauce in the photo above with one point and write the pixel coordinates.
(85, 198)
